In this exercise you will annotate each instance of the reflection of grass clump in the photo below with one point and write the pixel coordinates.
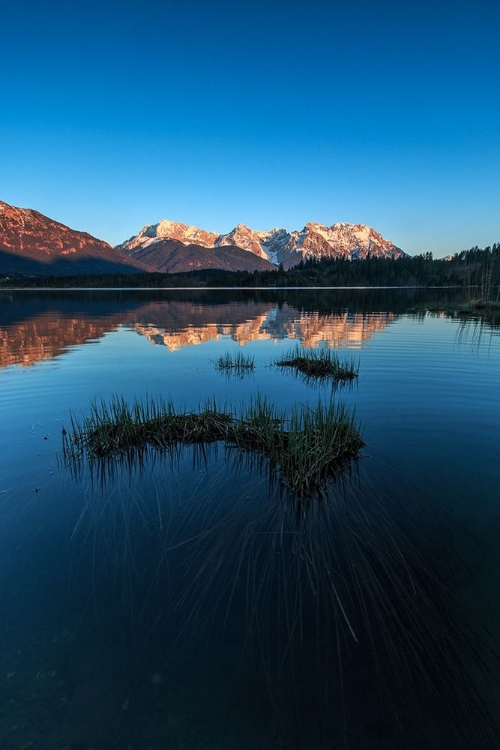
(477, 308)
(238, 363)
(479, 305)
(322, 363)
(304, 447)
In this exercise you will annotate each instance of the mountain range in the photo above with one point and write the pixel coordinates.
(31, 243)
(276, 246)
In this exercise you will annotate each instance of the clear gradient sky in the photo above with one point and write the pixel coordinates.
(115, 115)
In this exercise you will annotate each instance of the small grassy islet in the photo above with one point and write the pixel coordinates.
(304, 446)
(238, 363)
(321, 363)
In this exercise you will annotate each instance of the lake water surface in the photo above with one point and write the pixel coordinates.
(182, 602)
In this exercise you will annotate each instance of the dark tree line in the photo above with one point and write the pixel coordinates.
(476, 266)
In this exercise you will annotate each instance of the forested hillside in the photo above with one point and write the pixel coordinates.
(476, 266)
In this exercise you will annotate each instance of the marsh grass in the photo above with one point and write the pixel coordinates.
(320, 363)
(239, 363)
(303, 447)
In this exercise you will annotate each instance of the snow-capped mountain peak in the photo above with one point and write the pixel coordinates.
(170, 230)
(244, 237)
(315, 240)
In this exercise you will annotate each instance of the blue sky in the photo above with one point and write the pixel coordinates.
(115, 115)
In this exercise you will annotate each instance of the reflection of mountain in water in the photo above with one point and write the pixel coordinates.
(44, 338)
(40, 326)
(259, 322)
(46, 332)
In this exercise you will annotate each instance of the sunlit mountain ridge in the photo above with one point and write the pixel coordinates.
(277, 246)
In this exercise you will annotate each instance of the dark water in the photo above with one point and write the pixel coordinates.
(182, 603)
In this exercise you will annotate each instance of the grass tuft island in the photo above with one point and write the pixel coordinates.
(304, 446)
(238, 363)
(320, 364)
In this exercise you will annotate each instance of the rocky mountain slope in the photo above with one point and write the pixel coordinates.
(341, 240)
(31, 243)
(173, 256)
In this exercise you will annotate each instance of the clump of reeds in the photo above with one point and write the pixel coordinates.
(304, 447)
(117, 427)
(238, 363)
(320, 363)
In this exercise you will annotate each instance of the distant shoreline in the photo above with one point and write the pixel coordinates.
(210, 288)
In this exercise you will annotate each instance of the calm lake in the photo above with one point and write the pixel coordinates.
(182, 601)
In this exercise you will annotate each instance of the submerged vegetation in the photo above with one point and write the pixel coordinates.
(238, 363)
(322, 363)
(304, 446)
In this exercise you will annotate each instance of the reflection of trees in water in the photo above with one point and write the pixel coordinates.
(336, 615)
(478, 332)
(109, 301)
(37, 326)
(476, 329)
